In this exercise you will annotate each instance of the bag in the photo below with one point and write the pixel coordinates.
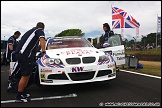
(139, 65)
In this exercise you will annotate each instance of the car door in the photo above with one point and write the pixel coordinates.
(116, 49)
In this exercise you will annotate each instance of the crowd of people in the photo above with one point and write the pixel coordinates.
(141, 48)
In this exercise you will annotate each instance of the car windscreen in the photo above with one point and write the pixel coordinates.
(68, 43)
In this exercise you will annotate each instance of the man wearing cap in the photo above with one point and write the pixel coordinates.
(11, 47)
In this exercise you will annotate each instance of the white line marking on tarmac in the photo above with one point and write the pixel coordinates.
(141, 74)
(44, 98)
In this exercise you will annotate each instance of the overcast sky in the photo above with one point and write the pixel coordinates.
(85, 15)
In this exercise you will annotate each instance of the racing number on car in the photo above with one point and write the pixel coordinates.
(42, 75)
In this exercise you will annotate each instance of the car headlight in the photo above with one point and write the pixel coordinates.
(103, 58)
(52, 61)
(57, 61)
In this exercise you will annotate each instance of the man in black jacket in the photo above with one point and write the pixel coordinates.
(11, 47)
(25, 52)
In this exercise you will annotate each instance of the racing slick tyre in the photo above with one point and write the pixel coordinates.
(36, 78)
(117, 68)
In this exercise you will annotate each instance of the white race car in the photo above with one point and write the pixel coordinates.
(71, 60)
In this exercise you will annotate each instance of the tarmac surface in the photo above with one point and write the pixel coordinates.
(126, 89)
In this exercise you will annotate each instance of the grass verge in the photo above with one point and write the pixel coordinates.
(150, 52)
(149, 67)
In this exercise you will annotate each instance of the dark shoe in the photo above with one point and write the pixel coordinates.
(9, 88)
(27, 95)
(22, 98)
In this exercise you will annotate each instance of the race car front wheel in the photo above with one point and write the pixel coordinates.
(37, 79)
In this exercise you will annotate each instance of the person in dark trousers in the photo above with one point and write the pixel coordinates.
(11, 47)
(25, 53)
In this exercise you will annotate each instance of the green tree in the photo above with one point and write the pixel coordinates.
(101, 38)
(94, 42)
(132, 42)
(151, 38)
(125, 42)
(70, 32)
(89, 39)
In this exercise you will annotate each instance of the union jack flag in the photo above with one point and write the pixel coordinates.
(121, 19)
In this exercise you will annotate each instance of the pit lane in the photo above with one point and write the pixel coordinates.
(127, 87)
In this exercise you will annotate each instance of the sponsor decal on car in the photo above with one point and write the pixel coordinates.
(111, 59)
(120, 52)
(110, 65)
(120, 58)
(42, 75)
(46, 70)
(77, 69)
(120, 55)
(103, 62)
(114, 69)
(77, 51)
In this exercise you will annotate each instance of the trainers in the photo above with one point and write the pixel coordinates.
(27, 95)
(22, 98)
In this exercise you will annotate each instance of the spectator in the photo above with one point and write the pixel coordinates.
(107, 34)
(104, 43)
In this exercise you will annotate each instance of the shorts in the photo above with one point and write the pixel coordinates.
(16, 69)
(26, 65)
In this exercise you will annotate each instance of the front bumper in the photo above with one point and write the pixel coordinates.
(76, 74)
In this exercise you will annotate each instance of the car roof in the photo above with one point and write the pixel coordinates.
(64, 37)
(69, 37)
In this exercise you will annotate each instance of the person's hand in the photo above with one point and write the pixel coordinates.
(41, 54)
(106, 45)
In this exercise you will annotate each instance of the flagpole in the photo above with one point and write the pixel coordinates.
(157, 32)
(122, 33)
(137, 32)
(111, 16)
